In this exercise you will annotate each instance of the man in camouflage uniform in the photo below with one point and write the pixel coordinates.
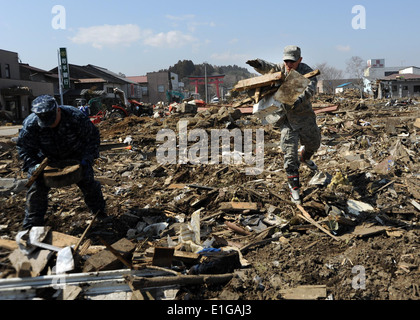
(297, 122)
(58, 133)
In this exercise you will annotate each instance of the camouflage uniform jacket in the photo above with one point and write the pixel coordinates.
(75, 138)
(302, 113)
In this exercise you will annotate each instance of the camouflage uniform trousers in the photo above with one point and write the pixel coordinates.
(37, 199)
(308, 136)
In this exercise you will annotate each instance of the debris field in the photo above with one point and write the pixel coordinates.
(187, 231)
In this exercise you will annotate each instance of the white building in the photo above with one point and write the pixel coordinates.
(410, 70)
(376, 69)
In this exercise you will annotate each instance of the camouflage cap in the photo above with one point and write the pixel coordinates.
(45, 108)
(291, 53)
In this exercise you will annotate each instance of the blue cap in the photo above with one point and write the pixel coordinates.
(45, 108)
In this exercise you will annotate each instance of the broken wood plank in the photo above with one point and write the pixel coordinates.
(34, 263)
(417, 123)
(312, 74)
(185, 256)
(37, 173)
(309, 219)
(136, 294)
(415, 204)
(177, 186)
(116, 253)
(238, 206)
(85, 232)
(305, 293)
(107, 181)
(106, 260)
(146, 282)
(267, 80)
(85, 247)
(189, 257)
(326, 109)
(367, 230)
(8, 244)
(60, 240)
(71, 292)
(259, 82)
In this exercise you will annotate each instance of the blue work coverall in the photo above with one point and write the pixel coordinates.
(75, 138)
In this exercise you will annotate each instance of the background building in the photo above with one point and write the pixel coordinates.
(376, 69)
(331, 86)
(92, 81)
(19, 85)
(401, 85)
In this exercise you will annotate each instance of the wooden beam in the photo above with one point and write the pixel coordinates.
(238, 206)
(312, 74)
(313, 292)
(259, 82)
(146, 282)
(237, 228)
(37, 173)
(326, 109)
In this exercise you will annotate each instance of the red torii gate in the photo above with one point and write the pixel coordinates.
(210, 80)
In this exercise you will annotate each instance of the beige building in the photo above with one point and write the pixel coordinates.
(158, 84)
(162, 86)
(19, 85)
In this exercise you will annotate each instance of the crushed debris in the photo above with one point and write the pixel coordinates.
(174, 228)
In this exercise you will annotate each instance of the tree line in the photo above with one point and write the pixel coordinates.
(186, 68)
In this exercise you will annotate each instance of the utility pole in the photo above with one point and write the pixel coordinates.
(60, 84)
(205, 80)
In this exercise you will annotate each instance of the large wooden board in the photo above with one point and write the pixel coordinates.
(259, 82)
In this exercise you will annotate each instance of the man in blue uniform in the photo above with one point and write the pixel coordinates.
(58, 133)
(85, 109)
(298, 125)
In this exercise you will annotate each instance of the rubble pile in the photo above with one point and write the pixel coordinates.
(182, 231)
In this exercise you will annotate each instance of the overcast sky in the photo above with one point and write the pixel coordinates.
(136, 37)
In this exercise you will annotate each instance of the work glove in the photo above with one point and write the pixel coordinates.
(254, 63)
(278, 115)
